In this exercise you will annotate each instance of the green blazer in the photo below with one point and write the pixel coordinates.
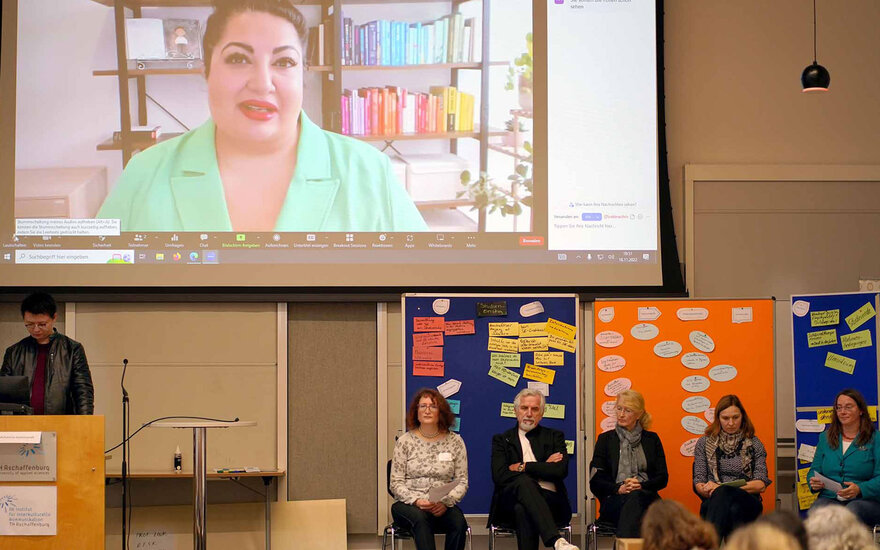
(340, 184)
(861, 465)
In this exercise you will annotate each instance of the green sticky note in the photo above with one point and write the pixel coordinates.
(505, 375)
(824, 318)
(506, 360)
(859, 316)
(822, 338)
(456, 424)
(507, 410)
(861, 339)
(569, 446)
(839, 362)
(554, 411)
(454, 405)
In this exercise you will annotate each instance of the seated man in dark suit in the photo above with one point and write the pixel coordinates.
(529, 466)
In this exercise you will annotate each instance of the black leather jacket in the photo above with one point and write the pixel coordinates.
(68, 379)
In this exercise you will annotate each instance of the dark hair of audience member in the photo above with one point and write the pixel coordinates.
(788, 521)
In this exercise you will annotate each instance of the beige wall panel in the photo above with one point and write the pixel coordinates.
(12, 327)
(332, 422)
(784, 370)
(194, 390)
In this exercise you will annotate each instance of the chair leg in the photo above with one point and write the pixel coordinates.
(594, 536)
(470, 542)
(492, 537)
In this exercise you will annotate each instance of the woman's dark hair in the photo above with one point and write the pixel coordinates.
(791, 523)
(747, 428)
(866, 427)
(445, 418)
(224, 10)
(39, 303)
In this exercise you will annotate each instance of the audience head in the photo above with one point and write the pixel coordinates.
(850, 408)
(630, 408)
(529, 408)
(731, 417)
(429, 398)
(789, 522)
(760, 536)
(668, 525)
(836, 528)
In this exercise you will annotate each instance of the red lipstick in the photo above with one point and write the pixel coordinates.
(258, 110)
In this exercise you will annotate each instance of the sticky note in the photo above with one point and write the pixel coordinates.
(806, 452)
(564, 344)
(552, 410)
(507, 410)
(427, 339)
(456, 424)
(558, 328)
(859, 316)
(860, 339)
(428, 324)
(492, 309)
(450, 387)
(506, 360)
(427, 354)
(532, 329)
(428, 368)
(839, 362)
(802, 474)
(806, 498)
(549, 358)
(569, 446)
(821, 338)
(741, 315)
(541, 387)
(539, 374)
(824, 416)
(507, 376)
(503, 329)
(533, 344)
(454, 405)
(458, 328)
(825, 318)
(872, 412)
(506, 345)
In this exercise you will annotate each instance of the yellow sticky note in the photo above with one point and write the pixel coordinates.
(557, 342)
(822, 338)
(824, 416)
(860, 339)
(839, 362)
(563, 330)
(825, 318)
(507, 376)
(539, 374)
(802, 474)
(506, 345)
(503, 329)
(859, 316)
(533, 344)
(569, 446)
(507, 410)
(554, 411)
(805, 496)
(872, 412)
(532, 329)
(550, 358)
(507, 360)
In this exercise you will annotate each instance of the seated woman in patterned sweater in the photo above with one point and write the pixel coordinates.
(429, 455)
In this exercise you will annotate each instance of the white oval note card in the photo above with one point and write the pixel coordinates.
(441, 306)
(608, 407)
(687, 448)
(606, 314)
(644, 331)
(611, 363)
(695, 384)
(722, 373)
(809, 425)
(609, 339)
(617, 385)
(608, 424)
(531, 308)
(667, 348)
(694, 425)
(692, 313)
(696, 404)
(710, 414)
(695, 360)
(702, 341)
(800, 308)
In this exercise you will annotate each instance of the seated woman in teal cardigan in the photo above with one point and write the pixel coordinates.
(259, 164)
(849, 453)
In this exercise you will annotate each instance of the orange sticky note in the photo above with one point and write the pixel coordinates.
(428, 324)
(426, 339)
(434, 353)
(457, 328)
(428, 368)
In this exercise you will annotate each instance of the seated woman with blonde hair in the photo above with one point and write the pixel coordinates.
(670, 526)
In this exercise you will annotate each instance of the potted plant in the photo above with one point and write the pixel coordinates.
(485, 193)
(516, 133)
(520, 74)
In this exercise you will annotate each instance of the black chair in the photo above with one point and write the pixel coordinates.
(599, 528)
(503, 531)
(394, 532)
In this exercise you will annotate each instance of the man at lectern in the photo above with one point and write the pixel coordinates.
(55, 365)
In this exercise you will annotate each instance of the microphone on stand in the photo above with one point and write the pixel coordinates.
(125, 430)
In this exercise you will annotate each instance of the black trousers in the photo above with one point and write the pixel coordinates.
(627, 511)
(424, 525)
(730, 507)
(534, 512)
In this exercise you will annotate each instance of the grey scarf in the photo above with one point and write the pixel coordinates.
(632, 456)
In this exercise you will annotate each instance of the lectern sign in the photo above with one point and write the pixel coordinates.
(29, 461)
(28, 510)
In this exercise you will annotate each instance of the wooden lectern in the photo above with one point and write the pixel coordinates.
(80, 481)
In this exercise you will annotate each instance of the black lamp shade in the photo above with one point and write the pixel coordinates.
(815, 78)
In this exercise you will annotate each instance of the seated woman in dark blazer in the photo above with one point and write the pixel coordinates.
(628, 466)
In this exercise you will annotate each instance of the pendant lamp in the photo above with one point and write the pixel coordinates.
(815, 77)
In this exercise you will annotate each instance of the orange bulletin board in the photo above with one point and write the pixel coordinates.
(639, 341)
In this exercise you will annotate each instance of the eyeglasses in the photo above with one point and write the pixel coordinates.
(625, 410)
(40, 326)
(425, 407)
(846, 407)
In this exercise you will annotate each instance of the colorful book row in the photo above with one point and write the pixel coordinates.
(393, 110)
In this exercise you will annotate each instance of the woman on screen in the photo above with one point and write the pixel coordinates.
(730, 468)
(628, 466)
(430, 456)
(259, 163)
(848, 455)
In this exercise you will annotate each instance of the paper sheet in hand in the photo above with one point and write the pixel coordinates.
(436, 493)
(734, 483)
(830, 484)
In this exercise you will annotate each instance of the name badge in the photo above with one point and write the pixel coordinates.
(444, 457)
